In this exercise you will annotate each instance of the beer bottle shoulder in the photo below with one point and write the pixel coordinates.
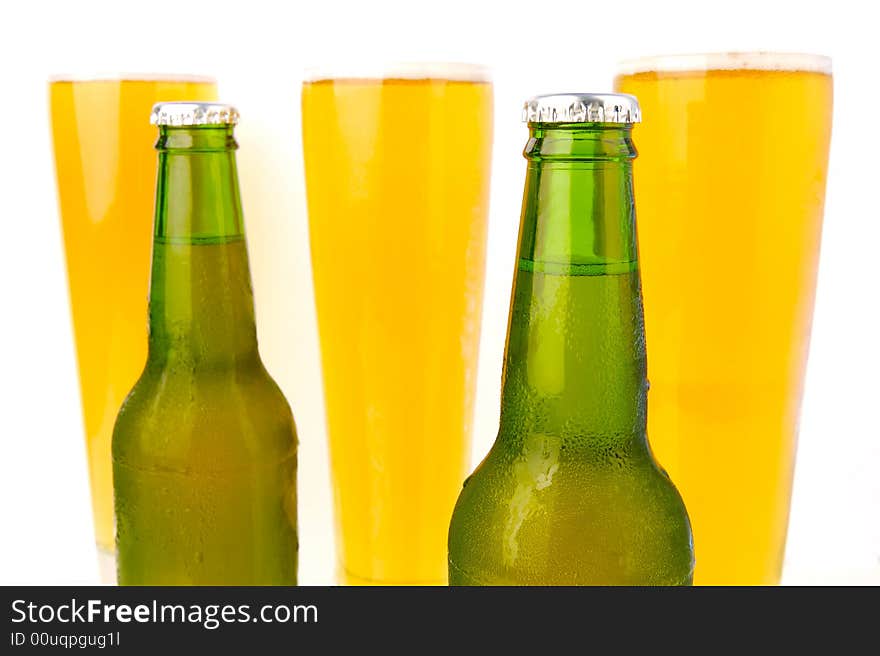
(542, 514)
(181, 418)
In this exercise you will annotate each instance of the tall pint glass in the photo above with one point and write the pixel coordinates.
(730, 186)
(106, 175)
(397, 178)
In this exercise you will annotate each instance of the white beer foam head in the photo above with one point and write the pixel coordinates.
(459, 72)
(727, 61)
(132, 77)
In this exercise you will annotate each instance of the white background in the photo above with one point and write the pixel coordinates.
(258, 50)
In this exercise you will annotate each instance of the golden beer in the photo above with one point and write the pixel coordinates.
(397, 178)
(106, 174)
(730, 185)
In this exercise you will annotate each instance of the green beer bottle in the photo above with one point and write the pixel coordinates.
(570, 493)
(204, 447)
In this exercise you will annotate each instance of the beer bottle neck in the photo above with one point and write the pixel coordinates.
(575, 357)
(201, 303)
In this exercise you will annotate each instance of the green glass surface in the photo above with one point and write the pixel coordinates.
(204, 447)
(570, 493)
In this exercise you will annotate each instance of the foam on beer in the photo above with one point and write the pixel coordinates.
(454, 71)
(730, 61)
(132, 77)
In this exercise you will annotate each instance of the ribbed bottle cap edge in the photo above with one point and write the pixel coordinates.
(182, 114)
(618, 108)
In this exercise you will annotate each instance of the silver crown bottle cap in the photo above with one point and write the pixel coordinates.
(582, 108)
(178, 114)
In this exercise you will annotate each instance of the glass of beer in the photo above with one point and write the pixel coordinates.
(397, 164)
(106, 175)
(730, 186)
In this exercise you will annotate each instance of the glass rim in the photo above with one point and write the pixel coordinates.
(132, 77)
(421, 70)
(759, 60)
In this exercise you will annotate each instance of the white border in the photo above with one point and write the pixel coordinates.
(727, 61)
(133, 77)
(454, 71)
